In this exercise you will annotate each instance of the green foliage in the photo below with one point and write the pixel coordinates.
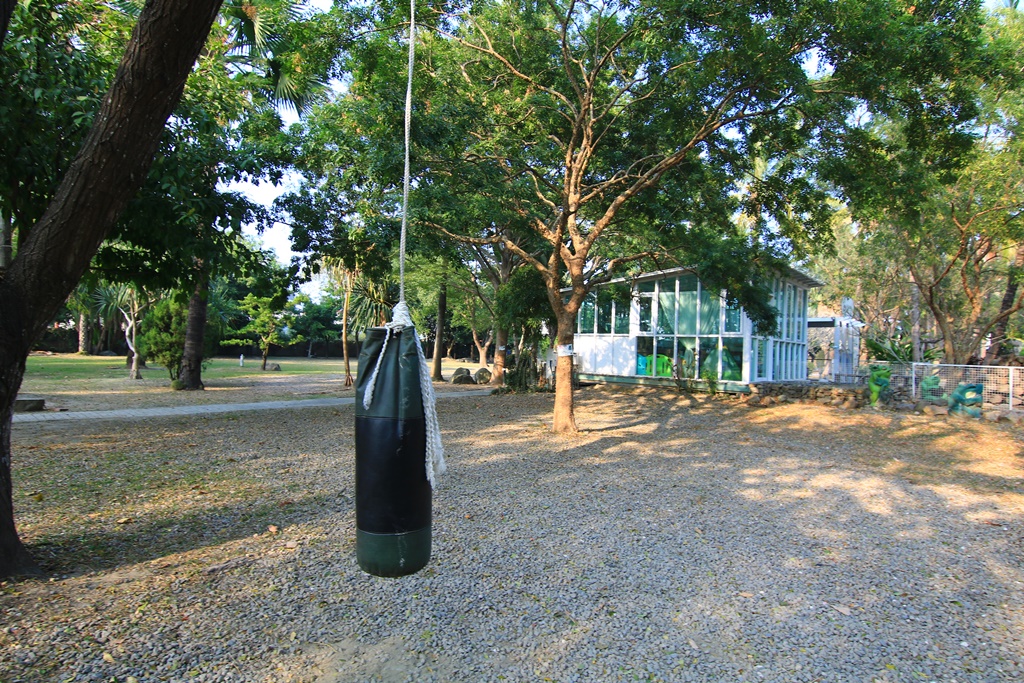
(316, 322)
(710, 378)
(55, 63)
(163, 336)
(524, 375)
(897, 350)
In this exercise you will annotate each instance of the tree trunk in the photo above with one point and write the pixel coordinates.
(266, 353)
(483, 346)
(191, 376)
(6, 243)
(915, 323)
(105, 175)
(6, 10)
(132, 348)
(500, 352)
(344, 331)
(14, 559)
(564, 417)
(442, 314)
(1009, 298)
(83, 333)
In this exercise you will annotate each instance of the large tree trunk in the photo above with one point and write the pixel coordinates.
(500, 353)
(191, 376)
(1005, 308)
(442, 314)
(565, 416)
(104, 176)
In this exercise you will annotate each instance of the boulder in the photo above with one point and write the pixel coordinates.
(273, 367)
(935, 410)
(460, 371)
(463, 379)
(994, 416)
(29, 404)
(482, 376)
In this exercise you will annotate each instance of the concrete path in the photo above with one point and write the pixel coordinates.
(212, 409)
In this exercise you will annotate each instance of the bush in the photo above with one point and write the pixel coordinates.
(523, 376)
(163, 337)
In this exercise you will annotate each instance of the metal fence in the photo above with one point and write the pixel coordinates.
(1003, 386)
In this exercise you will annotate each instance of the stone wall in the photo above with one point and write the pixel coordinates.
(841, 395)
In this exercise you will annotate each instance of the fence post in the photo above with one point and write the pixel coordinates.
(1011, 386)
(913, 381)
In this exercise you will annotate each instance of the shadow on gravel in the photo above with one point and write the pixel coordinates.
(133, 542)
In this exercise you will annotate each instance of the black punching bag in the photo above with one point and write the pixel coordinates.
(393, 495)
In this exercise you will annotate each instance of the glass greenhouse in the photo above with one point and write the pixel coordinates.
(668, 325)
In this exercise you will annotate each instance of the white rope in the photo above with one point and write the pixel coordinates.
(400, 316)
(408, 126)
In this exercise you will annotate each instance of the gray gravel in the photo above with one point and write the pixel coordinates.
(677, 540)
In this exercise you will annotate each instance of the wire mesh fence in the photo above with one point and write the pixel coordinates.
(1002, 386)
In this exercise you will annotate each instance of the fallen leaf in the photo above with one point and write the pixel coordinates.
(842, 609)
(272, 528)
(108, 658)
(124, 520)
(746, 595)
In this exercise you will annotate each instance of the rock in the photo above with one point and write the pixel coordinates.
(851, 404)
(767, 401)
(460, 371)
(463, 379)
(906, 407)
(482, 376)
(994, 415)
(1014, 416)
(29, 404)
(273, 367)
(935, 410)
(107, 353)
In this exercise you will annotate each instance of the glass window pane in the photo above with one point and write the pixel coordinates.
(732, 359)
(647, 286)
(733, 320)
(686, 357)
(644, 355)
(762, 357)
(709, 357)
(667, 307)
(646, 304)
(663, 360)
(604, 317)
(710, 311)
(587, 316)
(622, 316)
(687, 305)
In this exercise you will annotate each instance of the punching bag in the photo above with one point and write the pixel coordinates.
(393, 494)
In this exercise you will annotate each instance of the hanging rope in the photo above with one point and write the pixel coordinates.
(408, 127)
(400, 316)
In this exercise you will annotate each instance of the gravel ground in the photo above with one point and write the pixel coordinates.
(675, 539)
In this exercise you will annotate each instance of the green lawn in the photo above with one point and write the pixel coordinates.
(74, 367)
